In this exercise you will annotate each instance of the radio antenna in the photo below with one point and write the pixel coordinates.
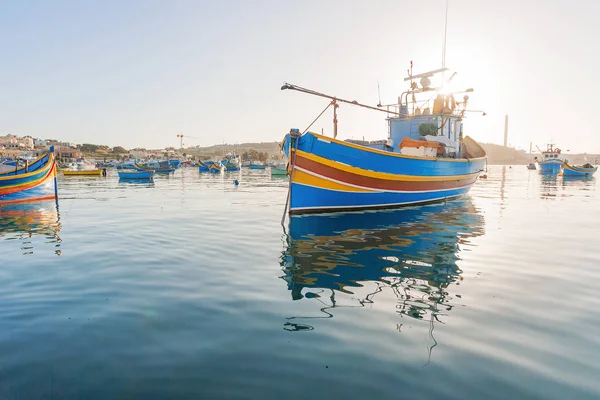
(445, 34)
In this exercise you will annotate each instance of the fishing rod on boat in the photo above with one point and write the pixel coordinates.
(289, 86)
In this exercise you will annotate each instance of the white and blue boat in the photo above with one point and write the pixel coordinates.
(135, 174)
(424, 159)
(550, 160)
(586, 170)
(232, 162)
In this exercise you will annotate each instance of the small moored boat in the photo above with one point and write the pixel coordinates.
(279, 169)
(82, 172)
(156, 166)
(531, 166)
(257, 165)
(210, 166)
(135, 174)
(578, 170)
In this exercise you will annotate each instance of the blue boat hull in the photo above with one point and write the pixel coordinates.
(257, 166)
(549, 167)
(582, 172)
(330, 175)
(136, 175)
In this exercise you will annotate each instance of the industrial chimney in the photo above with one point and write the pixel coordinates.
(506, 130)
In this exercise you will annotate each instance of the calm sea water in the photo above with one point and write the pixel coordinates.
(189, 287)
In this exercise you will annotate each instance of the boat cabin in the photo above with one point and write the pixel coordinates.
(426, 121)
(426, 132)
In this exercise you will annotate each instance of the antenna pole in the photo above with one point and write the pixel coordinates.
(444, 46)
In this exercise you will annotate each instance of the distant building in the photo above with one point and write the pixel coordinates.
(13, 142)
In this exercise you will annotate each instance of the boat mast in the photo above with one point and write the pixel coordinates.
(444, 45)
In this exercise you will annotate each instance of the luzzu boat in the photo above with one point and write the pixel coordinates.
(585, 170)
(550, 161)
(425, 158)
(210, 166)
(30, 182)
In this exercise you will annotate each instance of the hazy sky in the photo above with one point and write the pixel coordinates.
(136, 73)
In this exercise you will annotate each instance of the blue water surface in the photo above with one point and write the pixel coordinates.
(188, 287)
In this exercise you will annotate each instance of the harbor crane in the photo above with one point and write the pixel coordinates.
(180, 136)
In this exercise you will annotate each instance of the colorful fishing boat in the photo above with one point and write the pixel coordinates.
(175, 163)
(135, 174)
(30, 181)
(210, 166)
(232, 162)
(550, 160)
(257, 165)
(424, 159)
(279, 169)
(585, 170)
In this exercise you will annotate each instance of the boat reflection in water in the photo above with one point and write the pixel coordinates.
(26, 221)
(413, 251)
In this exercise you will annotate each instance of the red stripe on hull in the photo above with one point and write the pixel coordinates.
(376, 183)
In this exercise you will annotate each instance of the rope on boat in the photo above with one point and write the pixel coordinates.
(293, 162)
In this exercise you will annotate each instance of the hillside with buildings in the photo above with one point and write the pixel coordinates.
(13, 145)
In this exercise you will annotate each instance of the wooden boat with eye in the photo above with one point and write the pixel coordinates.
(31, 181)
(426, 158)
(586, 170)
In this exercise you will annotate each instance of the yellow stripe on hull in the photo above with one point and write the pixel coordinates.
(379, 175)
(304, 178)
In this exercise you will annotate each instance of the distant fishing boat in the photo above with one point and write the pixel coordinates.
(82, 172)
(156, 166)
(279, 169)
(531, 166)
(210, 166)
(550, 160)
(135, 174)
(232, 162)
(257, 165)
(30, 181)
(585, 170)
(245, 164)
(424, 159)
(174, 163)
